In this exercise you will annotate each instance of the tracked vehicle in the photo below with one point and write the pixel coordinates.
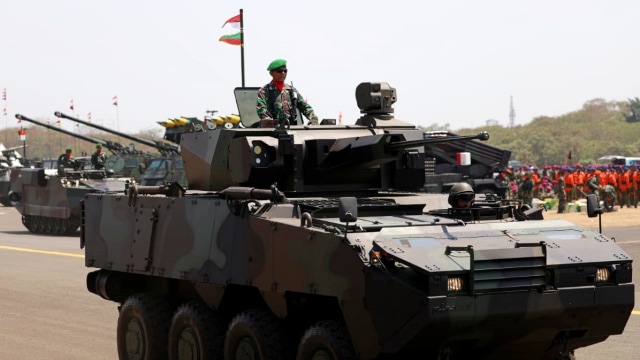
(157, 170)
(308, 242)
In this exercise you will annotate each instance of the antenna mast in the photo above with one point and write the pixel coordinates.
(512, 114)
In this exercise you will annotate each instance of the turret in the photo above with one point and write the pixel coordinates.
(162, 147)
(379, 153)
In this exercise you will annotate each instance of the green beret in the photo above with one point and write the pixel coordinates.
(68, 149)
(276, 64)
(98, 145)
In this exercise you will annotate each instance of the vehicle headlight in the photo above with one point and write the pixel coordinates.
(455, 284)
(603, 274)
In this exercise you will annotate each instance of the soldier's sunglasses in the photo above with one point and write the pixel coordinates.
(281, 70)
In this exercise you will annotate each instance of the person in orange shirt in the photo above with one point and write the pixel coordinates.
(624, 184)
(569, 183)
(635, 185)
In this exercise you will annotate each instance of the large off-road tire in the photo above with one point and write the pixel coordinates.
(196, 333)
(326, 340)
(256, 335)
(143, 327)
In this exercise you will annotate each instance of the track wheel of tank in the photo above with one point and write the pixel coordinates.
(326, 340)
(26, 221)
(49, 225)
(57, 226)
(143, 327)
(196, 333)
(256, 335)
(36, 224)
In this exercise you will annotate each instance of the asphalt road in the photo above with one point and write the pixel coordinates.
(47, 313)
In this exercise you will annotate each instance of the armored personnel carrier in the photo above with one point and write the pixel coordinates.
(308, 242)
(158, 170)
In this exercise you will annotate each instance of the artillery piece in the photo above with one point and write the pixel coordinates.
(306, 242)
(125, 161)
(158, 169)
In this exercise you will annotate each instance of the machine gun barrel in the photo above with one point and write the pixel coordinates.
(79, 136)
(159, 146)
(483, 136)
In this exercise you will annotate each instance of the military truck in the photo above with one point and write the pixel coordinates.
(309, 242)
(166, 167)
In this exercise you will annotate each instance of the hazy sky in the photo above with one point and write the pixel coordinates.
(455, 62)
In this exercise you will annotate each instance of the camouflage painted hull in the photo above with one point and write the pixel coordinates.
(528, 289)
(50, 204)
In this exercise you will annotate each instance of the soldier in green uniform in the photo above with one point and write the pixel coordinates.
(66, 160)
(277, 102)
(98, 159)
(561, 192)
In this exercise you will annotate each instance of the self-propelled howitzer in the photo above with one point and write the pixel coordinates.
(125, 161)
(159, 169)
(332, 263)
(162, 147)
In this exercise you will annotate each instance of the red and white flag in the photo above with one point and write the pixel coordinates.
(234, 22)
(115, 100)
(4, 94)
(71, 105)
(89, 117)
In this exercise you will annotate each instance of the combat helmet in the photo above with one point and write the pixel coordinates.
(460, 190)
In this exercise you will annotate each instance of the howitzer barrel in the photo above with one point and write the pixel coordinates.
(483, 136)
(79, 136)
(151, 143)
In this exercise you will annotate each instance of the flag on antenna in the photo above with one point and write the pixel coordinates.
(340, 118)
(70, 106)
(58, 124)
(89, 117)
(234, 21)
(115, 100)
(4, 94)
(232, 39)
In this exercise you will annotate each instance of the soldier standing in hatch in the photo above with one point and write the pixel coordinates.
(277, 102)
(66, 160)
(98, 159)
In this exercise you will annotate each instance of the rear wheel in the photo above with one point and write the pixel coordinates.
(196, 333)
(326, 340)
(143, 326)
(256, 335)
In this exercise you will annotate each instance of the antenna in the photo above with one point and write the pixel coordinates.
(512, 114)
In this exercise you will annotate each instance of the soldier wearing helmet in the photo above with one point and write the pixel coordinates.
(461, 196)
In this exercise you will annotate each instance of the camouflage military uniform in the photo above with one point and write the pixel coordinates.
(562, 194)
(594, 185)
(98, 160)
(283, 104)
